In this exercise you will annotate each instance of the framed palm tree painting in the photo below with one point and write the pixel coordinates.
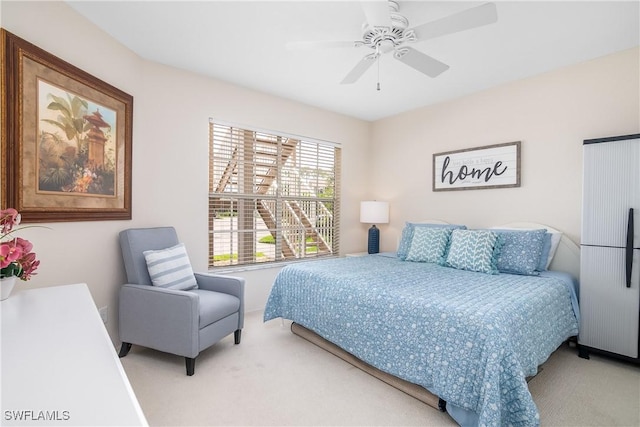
(66, 139)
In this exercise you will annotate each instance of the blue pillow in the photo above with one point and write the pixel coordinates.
(429, 244)
(542, 265)
(474, 250)
(407, 235)
(521, 251)
(549, 250)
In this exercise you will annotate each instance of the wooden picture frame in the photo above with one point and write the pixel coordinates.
(66, 139)
(491, 166)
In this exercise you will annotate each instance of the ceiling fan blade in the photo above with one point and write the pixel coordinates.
(322, 44)
(471, 18)
(377, 13)
(359, 69)
(421, 62)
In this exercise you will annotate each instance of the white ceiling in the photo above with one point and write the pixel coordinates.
(244, 42)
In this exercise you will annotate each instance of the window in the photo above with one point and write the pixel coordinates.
(272, 197)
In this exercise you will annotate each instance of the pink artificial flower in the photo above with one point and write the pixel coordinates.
(8, 219)
(29, 265)
(16, 258)
(9, 252)
(23, 244)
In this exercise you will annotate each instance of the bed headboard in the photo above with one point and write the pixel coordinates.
(567, 257)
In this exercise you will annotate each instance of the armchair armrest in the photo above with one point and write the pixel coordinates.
(159, 318)
(226, 284)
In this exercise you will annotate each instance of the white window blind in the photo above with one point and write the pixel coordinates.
(271, 197)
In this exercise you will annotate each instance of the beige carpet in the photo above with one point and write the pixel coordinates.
(275, 378)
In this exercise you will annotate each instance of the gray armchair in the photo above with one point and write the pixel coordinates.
(174, 321)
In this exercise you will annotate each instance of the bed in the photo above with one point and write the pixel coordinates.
(470, 338)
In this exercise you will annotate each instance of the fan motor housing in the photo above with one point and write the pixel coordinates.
(386, 39)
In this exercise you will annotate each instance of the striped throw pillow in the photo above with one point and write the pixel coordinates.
(171, 268)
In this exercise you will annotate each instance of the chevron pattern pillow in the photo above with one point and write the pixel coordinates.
(171, 268)
(407, 235)
(429, 245)
(473, 250)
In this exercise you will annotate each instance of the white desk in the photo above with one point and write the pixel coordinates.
(59, 366)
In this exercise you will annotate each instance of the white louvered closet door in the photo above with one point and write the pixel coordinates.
(611, 186)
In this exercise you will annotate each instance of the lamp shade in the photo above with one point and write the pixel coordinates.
(373, 212)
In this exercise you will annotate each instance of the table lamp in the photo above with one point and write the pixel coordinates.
(373, 212)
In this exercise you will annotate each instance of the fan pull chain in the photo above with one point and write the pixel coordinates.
(378, 86)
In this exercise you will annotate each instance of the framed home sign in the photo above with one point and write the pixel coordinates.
(66, 139)
(491, 166)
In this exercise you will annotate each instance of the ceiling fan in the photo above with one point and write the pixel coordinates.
(385, 30)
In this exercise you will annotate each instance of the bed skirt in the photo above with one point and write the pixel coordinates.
(414, 390)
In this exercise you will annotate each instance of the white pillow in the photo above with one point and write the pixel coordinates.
(171, 268)
(555, 241)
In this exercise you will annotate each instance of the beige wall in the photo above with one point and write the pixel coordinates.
(170, 150)
(551, 114)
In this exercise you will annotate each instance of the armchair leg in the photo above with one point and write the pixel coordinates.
(124, 349)
(237, 335)
(191, 365)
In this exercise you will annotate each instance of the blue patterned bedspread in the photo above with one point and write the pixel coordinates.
(470, 338)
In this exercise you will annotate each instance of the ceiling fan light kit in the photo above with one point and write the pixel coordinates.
(386, 30)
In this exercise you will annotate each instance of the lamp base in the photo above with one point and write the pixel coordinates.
(374, 240)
